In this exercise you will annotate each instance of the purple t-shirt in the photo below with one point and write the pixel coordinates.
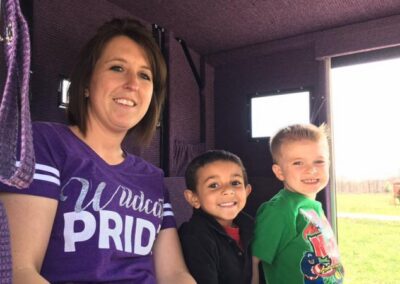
(107, 217)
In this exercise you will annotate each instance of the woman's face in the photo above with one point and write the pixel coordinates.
(120, 88)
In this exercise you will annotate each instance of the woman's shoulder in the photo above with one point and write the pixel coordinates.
(47, 125)
(49, 129)
(53, 137)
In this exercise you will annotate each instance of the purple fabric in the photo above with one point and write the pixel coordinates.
(183, 154)
(15, 123)
(108, 216)
(5, 254)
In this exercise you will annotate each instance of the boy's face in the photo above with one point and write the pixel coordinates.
(220, 191)
(303, 166)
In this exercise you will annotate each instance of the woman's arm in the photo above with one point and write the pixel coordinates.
(30, 221)
(169, 263)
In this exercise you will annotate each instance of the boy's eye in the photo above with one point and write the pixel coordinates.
(117, 68)
(213, 185)
(320, 162)
(236, 183)
(298, 163)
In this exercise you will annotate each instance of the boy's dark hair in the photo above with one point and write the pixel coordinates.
(208, 158)
(90, 54)
(297, 132)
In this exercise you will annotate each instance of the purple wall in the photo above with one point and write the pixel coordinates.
(184, 106)
(60, 28)
(184, 103)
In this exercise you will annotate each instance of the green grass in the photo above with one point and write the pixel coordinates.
(375, 203)
(369, 249)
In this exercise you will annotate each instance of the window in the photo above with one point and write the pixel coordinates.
(63, 93)
(270, 112)
(365, 121)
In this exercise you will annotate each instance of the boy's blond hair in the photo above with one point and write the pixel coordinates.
(297, 132)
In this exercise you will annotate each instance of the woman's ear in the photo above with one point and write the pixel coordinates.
(192, 198)
(278, 172)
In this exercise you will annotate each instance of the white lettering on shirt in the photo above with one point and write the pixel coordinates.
(111, 229)
(70, 236)
(142, 225)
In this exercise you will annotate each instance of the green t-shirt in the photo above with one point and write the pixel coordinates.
(295, 242)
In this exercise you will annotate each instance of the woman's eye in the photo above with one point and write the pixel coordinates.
(117, 68)
(145, 76)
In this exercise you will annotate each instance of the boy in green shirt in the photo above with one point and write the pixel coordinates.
(293, 238)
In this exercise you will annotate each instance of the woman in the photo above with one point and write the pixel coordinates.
(95, 213)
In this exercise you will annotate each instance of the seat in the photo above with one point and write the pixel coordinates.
(182, 209)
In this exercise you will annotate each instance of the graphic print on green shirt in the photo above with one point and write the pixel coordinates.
(323, 261)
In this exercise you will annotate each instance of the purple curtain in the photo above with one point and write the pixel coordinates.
(183, 154)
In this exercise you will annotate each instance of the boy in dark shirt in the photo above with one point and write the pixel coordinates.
(216, 240)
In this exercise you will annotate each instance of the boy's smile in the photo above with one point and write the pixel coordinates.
(220, 191)
(303, 166)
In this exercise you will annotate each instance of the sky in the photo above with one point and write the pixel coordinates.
(366, 120)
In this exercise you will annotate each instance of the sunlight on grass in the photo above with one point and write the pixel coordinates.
(369, 249)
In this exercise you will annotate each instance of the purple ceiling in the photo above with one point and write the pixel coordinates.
(213, 26)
